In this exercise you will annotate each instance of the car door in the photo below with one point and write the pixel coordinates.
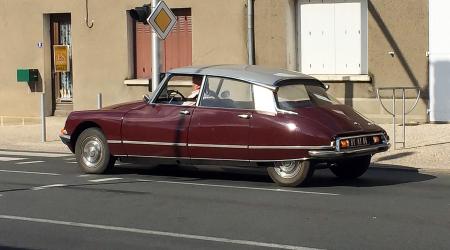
(160, 128)
(219, 129)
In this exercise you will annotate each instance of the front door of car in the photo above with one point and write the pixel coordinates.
(160, 129)
(219, 128)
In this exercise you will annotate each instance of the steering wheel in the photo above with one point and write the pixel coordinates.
(172, 93)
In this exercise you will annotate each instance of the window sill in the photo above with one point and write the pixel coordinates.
(343, 78)
(137, 82)
(146, 82)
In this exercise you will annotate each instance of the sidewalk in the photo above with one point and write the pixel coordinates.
(28, 137)
(427, 145)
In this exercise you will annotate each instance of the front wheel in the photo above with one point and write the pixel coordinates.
(351, 168)
(92, 152)
(290, 173)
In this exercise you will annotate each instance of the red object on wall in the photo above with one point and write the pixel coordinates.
(176, 50)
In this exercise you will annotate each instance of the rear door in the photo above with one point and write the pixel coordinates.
(219, 129)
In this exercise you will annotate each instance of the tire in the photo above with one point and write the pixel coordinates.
(351, 168)
(92, 152)
(290, 173)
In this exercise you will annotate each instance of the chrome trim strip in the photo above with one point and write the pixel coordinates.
(200, 93)
(155, 143)
(152, 156)
(217, 146)
(212, 159)
(114, 141)
(328, 154)
(291, 147)
(218, 159)
(297, 159)
(65, 137)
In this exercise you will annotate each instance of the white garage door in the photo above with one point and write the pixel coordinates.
(439, 40)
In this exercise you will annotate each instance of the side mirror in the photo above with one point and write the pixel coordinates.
(146, 98)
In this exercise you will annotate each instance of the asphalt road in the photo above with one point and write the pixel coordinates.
(47, 203)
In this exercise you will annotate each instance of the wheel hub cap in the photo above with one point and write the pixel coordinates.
(287, 169)
(92, 151)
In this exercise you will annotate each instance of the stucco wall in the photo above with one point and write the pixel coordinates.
(270, 32)
(101, 55)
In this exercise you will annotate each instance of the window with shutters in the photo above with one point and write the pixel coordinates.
(332, 36)
(176, 50)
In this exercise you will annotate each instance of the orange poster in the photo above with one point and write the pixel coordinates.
(61, 58)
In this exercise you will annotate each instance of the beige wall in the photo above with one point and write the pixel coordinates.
(400, 26)
(101, 55)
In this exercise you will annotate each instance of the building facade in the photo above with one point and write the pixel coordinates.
(355, 46)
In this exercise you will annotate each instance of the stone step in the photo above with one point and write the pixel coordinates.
(64, 106)
(63, 109)
(62, 113)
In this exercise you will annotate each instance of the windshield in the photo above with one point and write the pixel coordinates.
(291, 97)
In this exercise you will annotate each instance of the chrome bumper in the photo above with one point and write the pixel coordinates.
(66, 140)
(322, 154)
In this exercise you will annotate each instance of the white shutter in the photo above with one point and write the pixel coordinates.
(330, 36)
(317, 36)
(348, 36)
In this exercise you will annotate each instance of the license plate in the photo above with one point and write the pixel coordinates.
(359, 141)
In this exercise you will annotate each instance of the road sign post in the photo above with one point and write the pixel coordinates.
(162, 21)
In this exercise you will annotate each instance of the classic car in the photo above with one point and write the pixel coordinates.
(241, 115)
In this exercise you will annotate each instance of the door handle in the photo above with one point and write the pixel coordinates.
(185, 112)
(245, 116)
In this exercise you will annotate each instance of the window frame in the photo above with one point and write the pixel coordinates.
(164, 83)
(229, 78)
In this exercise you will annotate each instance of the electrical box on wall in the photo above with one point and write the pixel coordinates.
(27, 75)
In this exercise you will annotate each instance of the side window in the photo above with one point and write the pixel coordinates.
(227, 93)
(181, 90)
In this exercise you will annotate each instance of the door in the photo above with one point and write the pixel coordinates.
(61, 41)
(160, 129)
(219, 128)
(439, 60)
(157, 130)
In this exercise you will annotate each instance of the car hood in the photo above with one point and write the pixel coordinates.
(339, 119)
(126, 106)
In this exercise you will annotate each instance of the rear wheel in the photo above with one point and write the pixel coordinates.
(290, 173)
(92, 152)
(351, 168)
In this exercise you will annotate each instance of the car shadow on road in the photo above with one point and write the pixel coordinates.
(377, 175)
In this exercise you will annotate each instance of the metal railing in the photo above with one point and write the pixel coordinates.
(404, 112)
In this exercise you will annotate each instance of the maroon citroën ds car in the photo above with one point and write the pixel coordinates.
(236, 115)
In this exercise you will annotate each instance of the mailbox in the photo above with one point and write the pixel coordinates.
(27, 75)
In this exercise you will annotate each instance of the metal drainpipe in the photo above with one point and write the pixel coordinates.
(250, 33)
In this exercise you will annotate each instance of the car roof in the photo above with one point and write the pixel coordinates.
(271, 77)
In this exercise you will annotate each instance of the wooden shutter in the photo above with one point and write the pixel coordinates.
(176, 50)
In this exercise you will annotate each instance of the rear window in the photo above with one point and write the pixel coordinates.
(291, 97)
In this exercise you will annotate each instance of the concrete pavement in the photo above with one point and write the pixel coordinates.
(427, 145)
(47, 203)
